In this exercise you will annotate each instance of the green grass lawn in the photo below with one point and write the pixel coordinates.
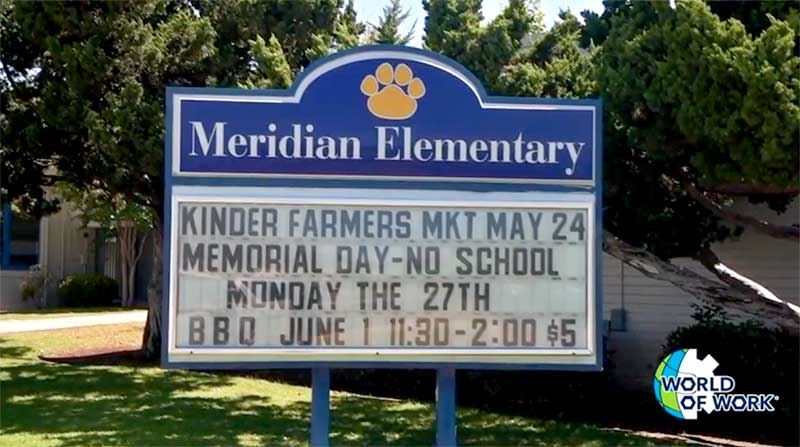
(49, 404)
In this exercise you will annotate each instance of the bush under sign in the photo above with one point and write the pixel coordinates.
(382, 212)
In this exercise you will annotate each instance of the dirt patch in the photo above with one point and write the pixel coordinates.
(129, 357)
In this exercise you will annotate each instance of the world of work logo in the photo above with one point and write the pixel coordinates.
(685, 385)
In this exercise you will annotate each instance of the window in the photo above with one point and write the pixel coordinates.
(19, 244)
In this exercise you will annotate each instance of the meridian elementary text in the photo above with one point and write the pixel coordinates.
(393, 143)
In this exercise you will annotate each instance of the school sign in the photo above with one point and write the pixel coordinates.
(384, 212)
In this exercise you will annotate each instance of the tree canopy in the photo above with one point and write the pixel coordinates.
(84, 83)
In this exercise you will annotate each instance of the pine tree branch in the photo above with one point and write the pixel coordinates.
(745, 300)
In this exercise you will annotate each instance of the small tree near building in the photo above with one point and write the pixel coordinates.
(129, 222)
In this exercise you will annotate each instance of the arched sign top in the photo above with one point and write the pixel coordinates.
(385, 53)
(383, 112)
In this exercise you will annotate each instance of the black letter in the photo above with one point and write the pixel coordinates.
(221, 325)
(247, 330)
(196, 329)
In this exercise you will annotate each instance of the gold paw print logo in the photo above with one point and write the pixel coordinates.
(392, 92)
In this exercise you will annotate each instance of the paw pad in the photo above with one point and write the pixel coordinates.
(392, 92)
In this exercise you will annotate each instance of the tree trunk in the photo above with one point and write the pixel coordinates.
(130, 253)
(743, 299)
(136, 255)
(124, 247)
(151, 341)
(131, 283)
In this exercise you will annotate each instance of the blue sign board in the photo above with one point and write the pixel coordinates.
(383, 212)
(383, 114)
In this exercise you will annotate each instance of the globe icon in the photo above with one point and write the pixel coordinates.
(669, 367)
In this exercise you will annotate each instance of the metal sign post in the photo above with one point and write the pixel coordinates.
(320, 406)
(384, 212)
(446, 407)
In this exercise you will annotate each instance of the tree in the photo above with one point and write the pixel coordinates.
(128, 222)
(453, 28)
(97, 74)
(349, 30)
(661, 180)
(387, 31)
(552, 65)
(699, 112)
(83, 88)
(724, 112)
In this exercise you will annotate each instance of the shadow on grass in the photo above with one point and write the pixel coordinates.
(123, 405)
(359, 421)
(100, 405)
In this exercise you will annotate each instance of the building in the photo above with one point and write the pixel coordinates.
(652, 309)
(641, 312)
(60, 246)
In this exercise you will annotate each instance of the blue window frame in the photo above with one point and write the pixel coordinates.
(19, 242)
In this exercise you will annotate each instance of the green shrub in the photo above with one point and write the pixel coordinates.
(761, 360)
(88, 290)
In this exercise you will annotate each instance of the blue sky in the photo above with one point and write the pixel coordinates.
(370, 10)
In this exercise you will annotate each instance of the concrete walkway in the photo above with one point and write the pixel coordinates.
(96, 319)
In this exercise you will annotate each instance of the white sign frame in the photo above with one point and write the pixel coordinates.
(397, 355)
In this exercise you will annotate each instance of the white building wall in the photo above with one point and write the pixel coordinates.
(69, 249)
(655, 308)
(10, 298)
(64, 248)
(652, 308)
(774, 263)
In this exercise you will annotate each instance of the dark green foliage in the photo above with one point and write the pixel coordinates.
(552, 65)
(681, 89)
(349, 29)
(597, 26)
(94, 79)
(754, 15)
(301, 31)
(453, 28)
(760, 359)
(717, 104)
(88, 290)
(648, 211)
(83, 83)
